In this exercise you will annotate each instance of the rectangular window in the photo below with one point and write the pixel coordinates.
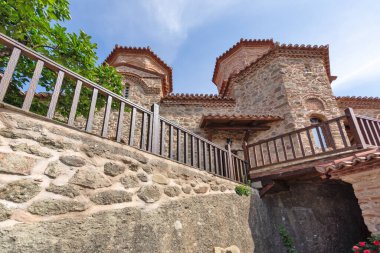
(126, 91)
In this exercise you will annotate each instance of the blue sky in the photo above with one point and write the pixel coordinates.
(189, 34)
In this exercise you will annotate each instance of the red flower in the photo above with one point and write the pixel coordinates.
(355, 248)
(362, 244)
(377, 243)
(367, 251)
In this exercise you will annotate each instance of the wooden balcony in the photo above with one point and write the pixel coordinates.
(297, 154)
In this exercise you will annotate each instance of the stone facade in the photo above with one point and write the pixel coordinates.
(254, 77)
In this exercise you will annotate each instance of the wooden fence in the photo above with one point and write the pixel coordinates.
(146, 130)
(348, 132)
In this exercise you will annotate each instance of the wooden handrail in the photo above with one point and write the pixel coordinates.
(152, 136)
(326, 138)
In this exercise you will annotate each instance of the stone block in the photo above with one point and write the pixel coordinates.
(186, 189)
(90, 178)
(30, 149)
(172, 191)
(111, 197)
(4, 213)
(142, 176)
(16, 164)
(160, 179)
(214, 187)
(65, 190)
(20, 191)
(130, 181)
(148, 169)
(53, 169)
(201, 189)
(55, 207)
(113, 169)
(149, 193)
(72, 160)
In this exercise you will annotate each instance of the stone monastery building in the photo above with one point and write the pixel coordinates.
(162, 172)
(265, 89)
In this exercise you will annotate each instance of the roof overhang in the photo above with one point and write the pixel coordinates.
(238, 122)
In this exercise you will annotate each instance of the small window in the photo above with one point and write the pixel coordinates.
(126, 91)
(320, 133)
(315, 121)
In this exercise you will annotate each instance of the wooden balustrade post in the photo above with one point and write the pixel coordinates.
(155, 129)
(355, 128)
(229, 162)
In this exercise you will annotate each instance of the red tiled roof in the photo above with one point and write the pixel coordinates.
(167, 87)
(204, 99)
(236, 47)
(359, 102)
(341, 166)
(287, 50)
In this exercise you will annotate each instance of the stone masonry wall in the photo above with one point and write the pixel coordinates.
(293, 88)
(62, 190)
(308, 90)
(55, 180)
(367, 190)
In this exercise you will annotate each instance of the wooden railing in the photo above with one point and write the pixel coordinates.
(135, 126)
(348, 132)
(370, 131)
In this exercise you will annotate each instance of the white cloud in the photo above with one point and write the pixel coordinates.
(176, 18)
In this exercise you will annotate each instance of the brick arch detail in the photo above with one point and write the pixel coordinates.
(314, 103)
(134, 79)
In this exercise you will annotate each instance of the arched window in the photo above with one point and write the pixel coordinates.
(321, 134)
(318, 132)
(126, 91)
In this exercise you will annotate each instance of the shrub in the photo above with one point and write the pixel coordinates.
(287, 240)
(243, 190)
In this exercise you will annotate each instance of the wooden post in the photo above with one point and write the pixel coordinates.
(155, 129)
(355, 128)
(7, 77)
(230, 170)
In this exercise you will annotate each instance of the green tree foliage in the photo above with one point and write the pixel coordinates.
(38, 25)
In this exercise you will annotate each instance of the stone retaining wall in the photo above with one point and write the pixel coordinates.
(52, 177)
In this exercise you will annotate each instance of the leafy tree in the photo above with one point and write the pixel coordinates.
(38, 25)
